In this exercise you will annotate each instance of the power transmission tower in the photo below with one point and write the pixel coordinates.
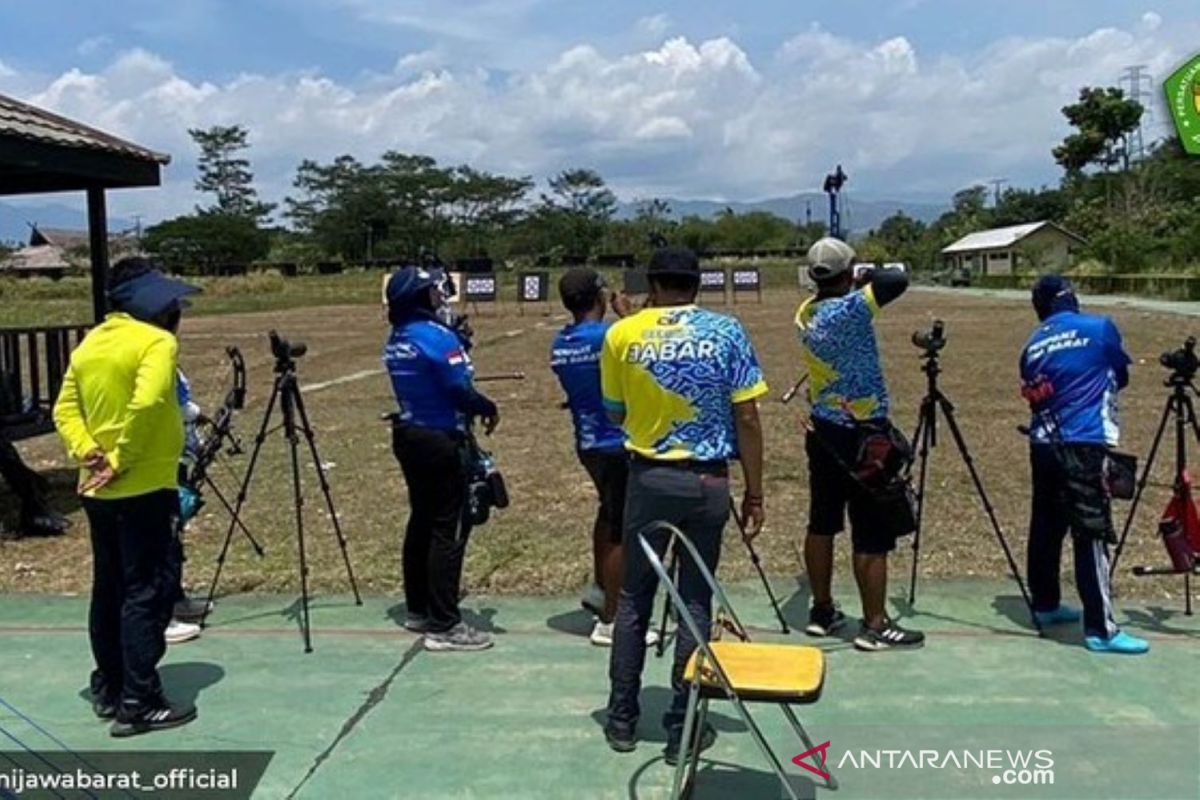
(1136, 81)
(997, 185)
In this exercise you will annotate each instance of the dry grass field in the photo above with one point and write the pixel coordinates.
(540, 544)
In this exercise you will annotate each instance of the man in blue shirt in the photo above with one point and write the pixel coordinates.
(1072, 367)
(575, 359)
(849, 400)
(432, 377)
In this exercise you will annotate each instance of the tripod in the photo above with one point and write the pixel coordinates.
(286, 394)
(1181, 409)
(925, 439)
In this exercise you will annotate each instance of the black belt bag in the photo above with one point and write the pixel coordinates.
(881, 464)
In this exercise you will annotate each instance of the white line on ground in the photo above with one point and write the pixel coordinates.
(351, 378)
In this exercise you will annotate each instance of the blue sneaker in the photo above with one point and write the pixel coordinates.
(1121, 643)
(1063, 615)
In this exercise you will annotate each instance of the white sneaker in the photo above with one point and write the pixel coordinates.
(180, 632)
(602, 634)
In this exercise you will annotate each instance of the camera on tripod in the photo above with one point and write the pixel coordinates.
(285, 352)
(1182, 362)
(933, 340)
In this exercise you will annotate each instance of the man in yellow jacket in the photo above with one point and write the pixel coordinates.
(119, 416)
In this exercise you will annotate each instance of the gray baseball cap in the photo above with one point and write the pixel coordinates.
(829, 258)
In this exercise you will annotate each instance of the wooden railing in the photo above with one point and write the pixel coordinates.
(34, 361)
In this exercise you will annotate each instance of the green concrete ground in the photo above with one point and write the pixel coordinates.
(370, 715)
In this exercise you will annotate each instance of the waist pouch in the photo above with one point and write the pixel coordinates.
(880, 468)
(1120, 473)
(1089, 501)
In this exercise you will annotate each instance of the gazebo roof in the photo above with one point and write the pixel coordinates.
(43, 152)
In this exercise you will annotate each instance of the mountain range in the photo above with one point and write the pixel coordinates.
(859, 215)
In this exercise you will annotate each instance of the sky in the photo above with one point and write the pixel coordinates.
(721, 100)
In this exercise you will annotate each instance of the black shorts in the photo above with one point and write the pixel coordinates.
(609, 470)
(873, 528)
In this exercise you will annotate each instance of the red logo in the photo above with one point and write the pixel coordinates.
(800, 762)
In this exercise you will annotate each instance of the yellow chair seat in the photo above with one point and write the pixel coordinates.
(772, 673)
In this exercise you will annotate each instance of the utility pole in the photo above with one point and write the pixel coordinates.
(1136, 80)
(997, 185)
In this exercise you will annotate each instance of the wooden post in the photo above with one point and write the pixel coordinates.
(98, 240)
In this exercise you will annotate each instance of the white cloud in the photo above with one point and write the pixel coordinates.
(653, 27)
(1151, 21)
(687, 118)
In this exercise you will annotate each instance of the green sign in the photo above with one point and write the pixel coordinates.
(1183, 98)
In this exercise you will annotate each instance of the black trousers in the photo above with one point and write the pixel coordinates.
(1061, 505)
(24, 482)
(133, 590)
(436, 538)
(696, 502)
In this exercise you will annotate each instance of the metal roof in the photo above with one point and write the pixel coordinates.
(994, 238)
(29, 122)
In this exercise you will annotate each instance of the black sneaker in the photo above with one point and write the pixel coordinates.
(620, 737)
(708, 737)
(888, 637)
(824, 620)
(462, 637)
(416, 623)
(103, 707)
(159, 716)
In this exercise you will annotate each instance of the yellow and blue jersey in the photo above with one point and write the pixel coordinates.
(837, 337)
(675, 374)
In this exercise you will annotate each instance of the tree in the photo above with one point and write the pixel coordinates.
(206, 242)
(577, 210)
(226, 174)
(1103, 119)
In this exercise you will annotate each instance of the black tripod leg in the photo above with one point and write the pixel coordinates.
(258, 548)
(289, 425)
(243, 491)
(757, 562)
(1141, 487)
(960, 442)
(321, 477)
(923, 436)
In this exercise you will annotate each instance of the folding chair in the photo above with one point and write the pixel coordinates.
(740, 671)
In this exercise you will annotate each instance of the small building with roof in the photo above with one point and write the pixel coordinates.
(1035, 246)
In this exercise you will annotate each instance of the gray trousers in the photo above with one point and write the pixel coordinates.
(695, 499)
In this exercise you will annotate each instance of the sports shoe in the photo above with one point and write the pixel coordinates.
(462, 637)
(593, 600)
(1121, 643)
(602, 634)
(416, 623)
(104, 707)
(890, 636)
(1063, 615)
(824, 620)
(158, 716)
(180, 632)
(708, 737)
(191, 610)
(620, 737)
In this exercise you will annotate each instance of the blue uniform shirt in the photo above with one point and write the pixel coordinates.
(431, 373)
(575, 359)
(1082, 357)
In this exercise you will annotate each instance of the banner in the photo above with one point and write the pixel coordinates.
(747, 280)
(713, 281)
(1183, 98)
(478, 288)
(533, 287)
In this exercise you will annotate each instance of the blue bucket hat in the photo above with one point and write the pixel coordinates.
(150, 295)
(1052, 294)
